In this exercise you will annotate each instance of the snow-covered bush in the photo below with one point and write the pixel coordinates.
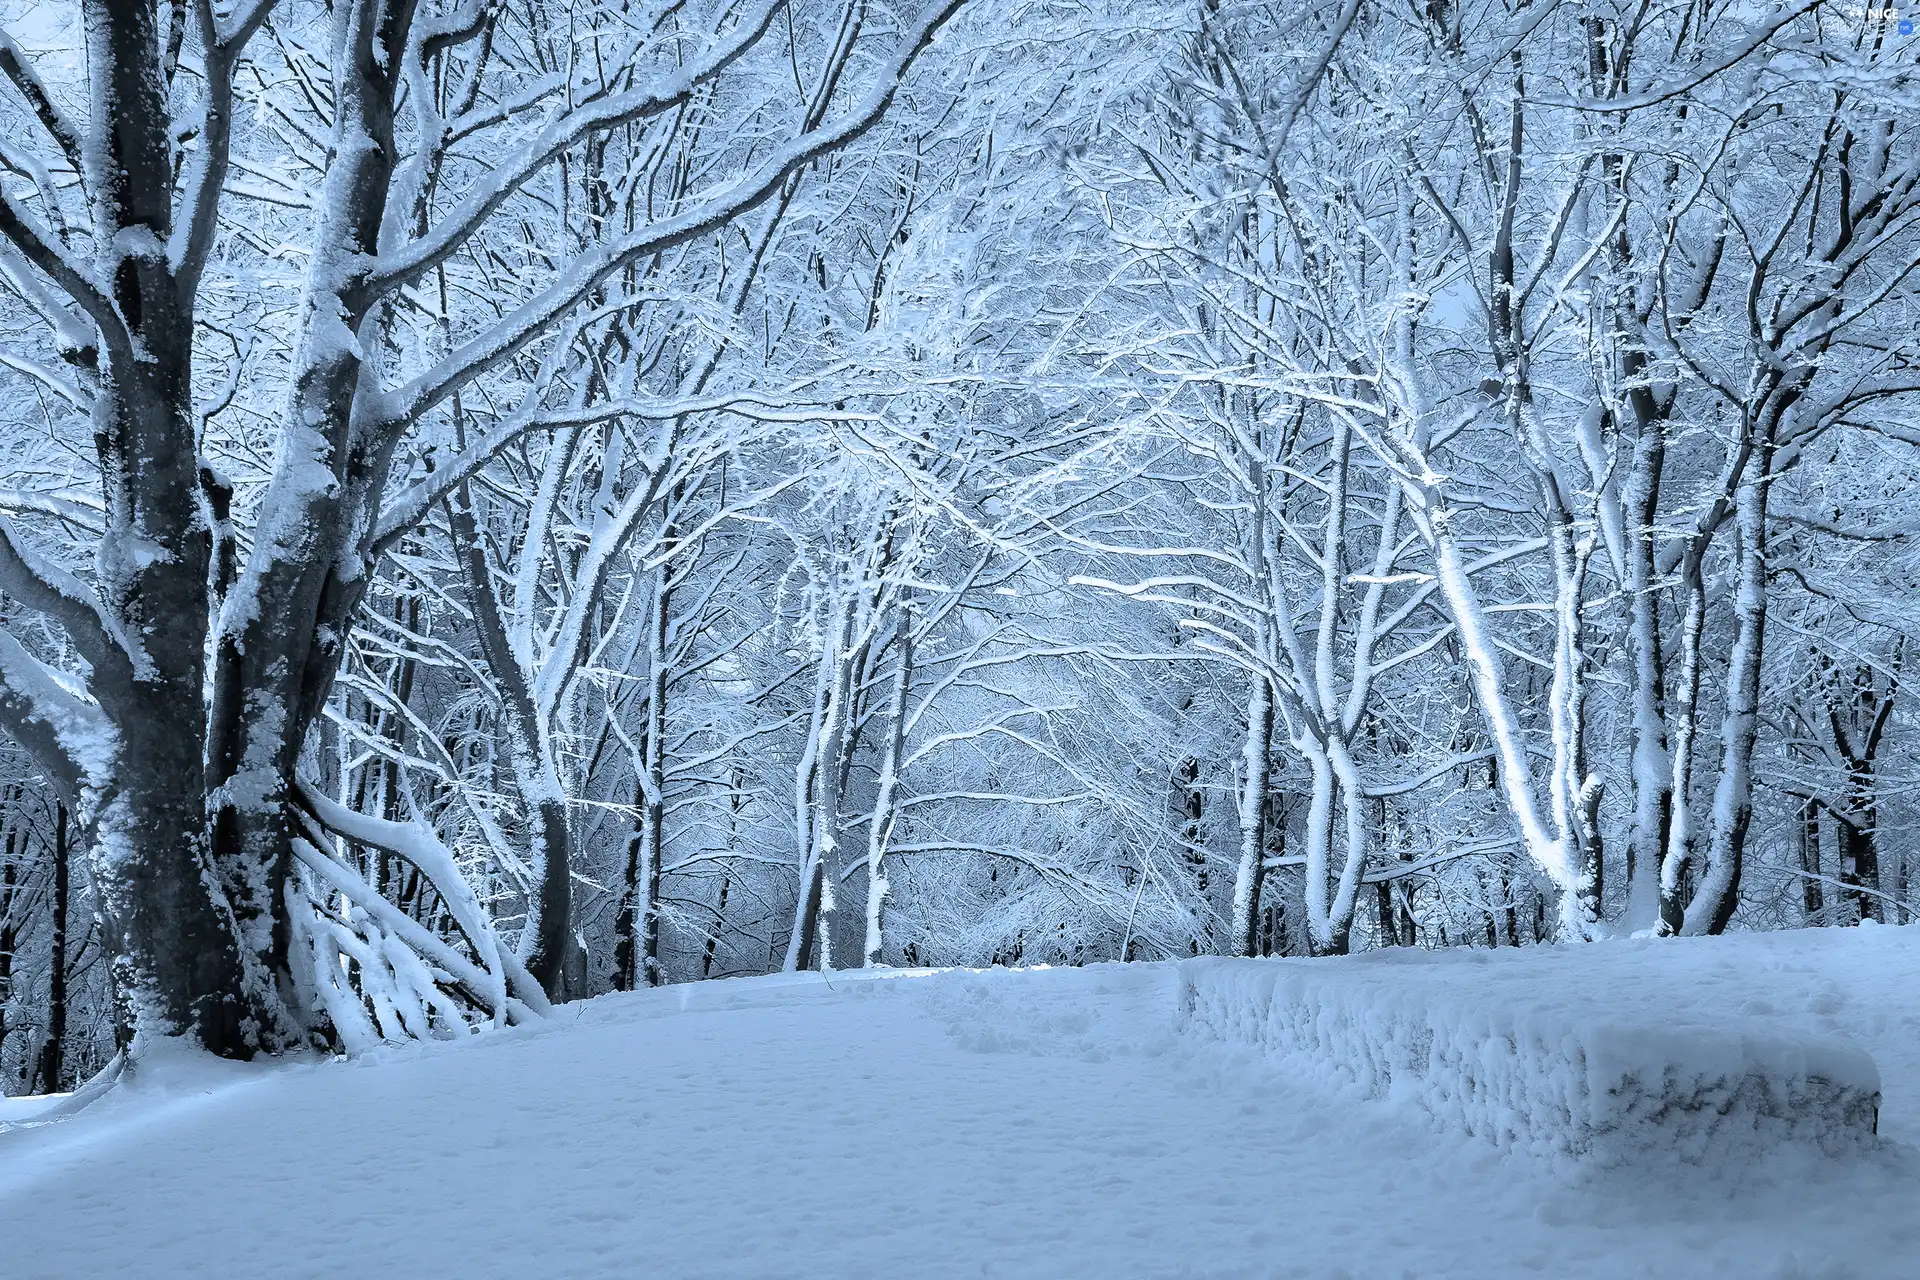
(1543, 1058)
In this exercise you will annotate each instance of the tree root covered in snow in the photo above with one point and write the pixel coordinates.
(91, 1091)
(376, 972)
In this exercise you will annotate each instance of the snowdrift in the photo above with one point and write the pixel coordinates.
(1044, 1124)
(1584, 1062)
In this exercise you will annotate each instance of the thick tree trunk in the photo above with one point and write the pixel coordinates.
(284, 622)
(180, 961)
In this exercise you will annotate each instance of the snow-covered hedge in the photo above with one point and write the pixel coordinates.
(1551, 1060)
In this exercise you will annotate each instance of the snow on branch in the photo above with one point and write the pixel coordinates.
(393, 950)
(525, 324)
(65, 734)
(199, 217)
(417, 843)
(14, 65)
(66, 388)
(41, 585)
(487, 195)
(44, 251)
(74, 507)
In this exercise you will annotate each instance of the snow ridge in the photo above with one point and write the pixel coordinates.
(1555, 1071)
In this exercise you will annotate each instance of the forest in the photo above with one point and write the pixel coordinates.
(503, 501)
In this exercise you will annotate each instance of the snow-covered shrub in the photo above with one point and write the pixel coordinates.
(1540, 1059)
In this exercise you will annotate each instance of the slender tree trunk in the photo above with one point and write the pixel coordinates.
(1549, 849)
(52, 1070)
(885, 811)
(1677, 863)
(1255, 791)
(1256, 762)
(9, 927)
(407, 613)
(1858, 717)
(547, 938)
(1812, 890)
(1318, 838)
(1193, 809)
(1718, 892)
(627, 926)
(1576, 792)
(1859, 850)
(818, 793)
(653, 832)
(1652, 762)
(713, 934)
(637, 927)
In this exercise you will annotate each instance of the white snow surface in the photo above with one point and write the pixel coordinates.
(1039, 1123)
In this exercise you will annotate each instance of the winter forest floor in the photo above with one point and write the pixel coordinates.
(1045, 1123)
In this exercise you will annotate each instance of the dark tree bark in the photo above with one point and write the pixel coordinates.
(637, 925)
(550, 912)
(1858, 714)
(1812, 890)
(9, 927)
(51, 1072)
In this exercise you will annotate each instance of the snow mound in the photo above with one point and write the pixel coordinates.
(1060, 1123)
(1548, 1060)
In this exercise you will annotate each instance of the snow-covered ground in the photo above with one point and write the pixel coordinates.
(1056, 1123)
